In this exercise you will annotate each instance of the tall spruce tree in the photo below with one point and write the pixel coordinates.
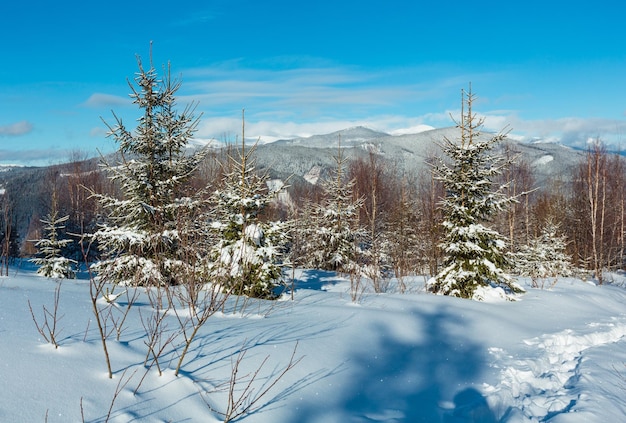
(247, 251)
(474, 253)
(141, 237)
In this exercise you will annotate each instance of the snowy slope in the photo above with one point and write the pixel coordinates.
(555, 355)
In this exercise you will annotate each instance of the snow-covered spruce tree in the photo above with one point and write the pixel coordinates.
(140, 238)
(246, 256)
(474, 255)
(52, 263)
(333, 234)
(544, 257)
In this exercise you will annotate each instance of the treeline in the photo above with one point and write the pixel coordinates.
(400, 213)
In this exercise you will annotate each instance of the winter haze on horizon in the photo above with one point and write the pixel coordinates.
(550, 71)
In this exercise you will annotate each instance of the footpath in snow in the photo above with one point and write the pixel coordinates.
(548, 380)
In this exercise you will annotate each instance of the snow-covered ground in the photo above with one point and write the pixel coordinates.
(554, 355)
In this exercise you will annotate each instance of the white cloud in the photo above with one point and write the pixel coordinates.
(98, 132)
(39, 157)
(298, 97)
(412, 129)
(317, 99)
(573, 131)
(16, 129)
(309, 93)
(229, 129)
(98, 100)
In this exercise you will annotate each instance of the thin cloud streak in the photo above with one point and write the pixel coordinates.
(284, 103)
(34, 157)
(16, 129)
(99, 100)
(571, 131)
(325, 91)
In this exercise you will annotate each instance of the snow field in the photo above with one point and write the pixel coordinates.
(552, 356)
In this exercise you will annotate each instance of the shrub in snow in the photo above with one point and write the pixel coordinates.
(144, 231)
(246, 256)
(474, 254)
(544, 257)
(377, 264)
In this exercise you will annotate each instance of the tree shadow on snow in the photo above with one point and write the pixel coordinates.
(399, 380)
(470, 406)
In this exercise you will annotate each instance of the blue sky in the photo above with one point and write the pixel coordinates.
(549, 70)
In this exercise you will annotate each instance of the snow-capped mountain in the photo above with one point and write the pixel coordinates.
(408, 153)
(349, 137)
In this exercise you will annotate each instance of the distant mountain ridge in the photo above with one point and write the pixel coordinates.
(349, 137)
(408, 153)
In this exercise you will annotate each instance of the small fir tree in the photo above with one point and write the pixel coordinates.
(247, 253)
(474, 253)
(544, 257)
(52, 263)
(333, 236)
(141, 237)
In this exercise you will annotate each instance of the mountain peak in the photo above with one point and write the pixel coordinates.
(360, 131)
(349, 136)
